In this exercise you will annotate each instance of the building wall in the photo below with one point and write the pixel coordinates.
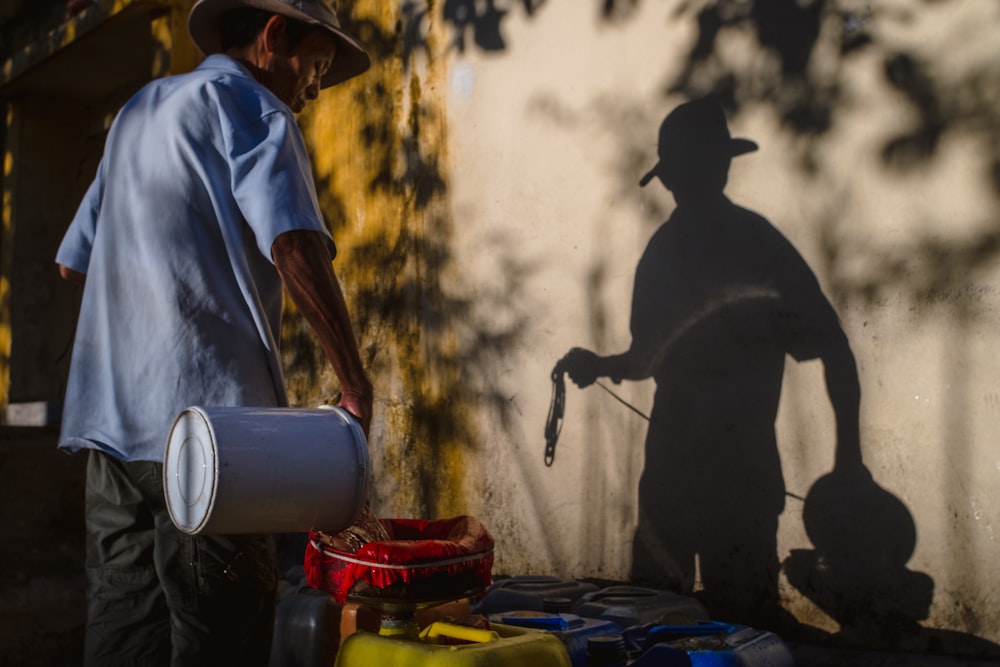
(522, 228)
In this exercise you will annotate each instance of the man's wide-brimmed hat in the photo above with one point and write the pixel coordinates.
(351, 59)
(696, 131)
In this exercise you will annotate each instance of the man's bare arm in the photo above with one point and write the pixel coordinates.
(304, 264)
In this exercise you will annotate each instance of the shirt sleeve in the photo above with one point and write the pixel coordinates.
(273, 181)
(74, 251)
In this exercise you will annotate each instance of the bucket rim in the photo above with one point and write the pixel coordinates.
(185, 526)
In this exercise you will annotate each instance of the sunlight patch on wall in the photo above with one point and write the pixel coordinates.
(378, 151)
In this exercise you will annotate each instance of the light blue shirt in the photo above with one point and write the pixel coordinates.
(182, 304)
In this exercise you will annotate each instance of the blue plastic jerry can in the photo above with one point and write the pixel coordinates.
(531, 593)
(572, 630)
(628, 606)
(707, 644)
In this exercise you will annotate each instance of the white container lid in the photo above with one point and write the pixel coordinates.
(191, 470)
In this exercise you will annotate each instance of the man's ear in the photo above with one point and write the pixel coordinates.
(275, 34)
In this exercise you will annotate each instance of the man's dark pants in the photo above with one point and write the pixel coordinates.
(157, 596)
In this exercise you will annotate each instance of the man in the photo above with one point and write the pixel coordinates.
(203, 207)
(720, 298)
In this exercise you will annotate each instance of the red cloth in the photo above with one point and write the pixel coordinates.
(419, 549)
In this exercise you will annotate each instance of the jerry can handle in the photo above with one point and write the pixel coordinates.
(551, 623)
(625, 591)
(659, 633)
(462, 632)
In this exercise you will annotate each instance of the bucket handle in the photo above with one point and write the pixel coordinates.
(612, 592)
(553, 623)
(462, 632)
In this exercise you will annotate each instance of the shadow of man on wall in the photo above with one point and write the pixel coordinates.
(720, 298)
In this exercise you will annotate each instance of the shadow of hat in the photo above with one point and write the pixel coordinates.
(696, 132)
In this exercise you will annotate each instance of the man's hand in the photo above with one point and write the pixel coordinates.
(581, 365)
(360, 407)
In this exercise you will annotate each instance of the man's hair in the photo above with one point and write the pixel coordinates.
(238, 27)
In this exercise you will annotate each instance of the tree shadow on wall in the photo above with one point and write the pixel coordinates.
(805, 96)
(720, 298)
(412, 324)
(483, 20)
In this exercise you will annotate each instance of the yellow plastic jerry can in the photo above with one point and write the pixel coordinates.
(501, 645)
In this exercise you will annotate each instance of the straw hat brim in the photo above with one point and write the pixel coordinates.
(351, 60)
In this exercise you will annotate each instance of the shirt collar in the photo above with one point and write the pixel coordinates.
(224, 63)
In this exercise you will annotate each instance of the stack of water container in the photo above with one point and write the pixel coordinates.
(532, 620)
(628, 625)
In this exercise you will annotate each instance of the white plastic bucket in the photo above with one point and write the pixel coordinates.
(231, 470)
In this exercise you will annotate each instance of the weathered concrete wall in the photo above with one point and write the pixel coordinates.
(481, 183)
(878, 161)
(489, 218)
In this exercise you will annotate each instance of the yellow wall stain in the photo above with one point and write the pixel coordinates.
(9, 184)
(175, 52)
(378, 146)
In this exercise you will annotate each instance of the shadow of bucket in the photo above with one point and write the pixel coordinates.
(232, 470)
